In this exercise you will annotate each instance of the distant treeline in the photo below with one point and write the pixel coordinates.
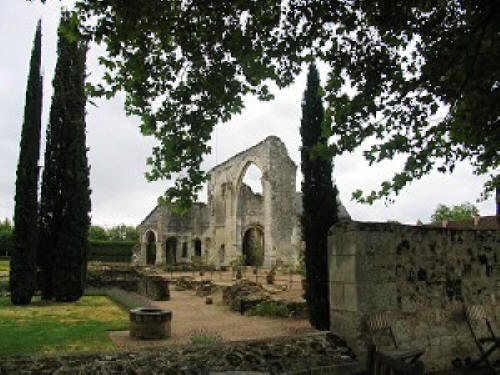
(112, 244)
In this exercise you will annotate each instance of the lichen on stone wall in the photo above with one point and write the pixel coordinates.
(423, 276)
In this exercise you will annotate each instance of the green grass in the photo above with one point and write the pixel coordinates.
(202, 337)
(269, 308)
(59, 327)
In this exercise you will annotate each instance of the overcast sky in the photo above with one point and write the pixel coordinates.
(121, 194)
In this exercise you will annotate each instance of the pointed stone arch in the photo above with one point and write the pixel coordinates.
(253, 245)
(278, 197)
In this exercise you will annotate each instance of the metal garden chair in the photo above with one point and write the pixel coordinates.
(378, 323)
(487, 344)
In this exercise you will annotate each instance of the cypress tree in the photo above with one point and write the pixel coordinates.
(23, 258)
(319, 201)
(65, 202)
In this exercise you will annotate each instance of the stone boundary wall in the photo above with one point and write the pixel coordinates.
(310, 354)
(422, 276)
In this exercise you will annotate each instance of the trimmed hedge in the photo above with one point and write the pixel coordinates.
(6, 243)
(110, 251)
(103, 251)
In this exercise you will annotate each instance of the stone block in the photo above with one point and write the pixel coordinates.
(408, 304)
(337, 300)
(346, 324)
(154, 287)
(343, 269)
(351, 297)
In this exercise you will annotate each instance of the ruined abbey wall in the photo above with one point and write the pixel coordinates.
(218, 228)
(422, 276)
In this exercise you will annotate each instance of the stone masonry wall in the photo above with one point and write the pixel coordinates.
(313, 354)
(423, 276)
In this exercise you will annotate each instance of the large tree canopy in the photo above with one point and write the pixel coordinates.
(186, 65)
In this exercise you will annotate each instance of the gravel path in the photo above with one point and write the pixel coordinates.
(191, 313)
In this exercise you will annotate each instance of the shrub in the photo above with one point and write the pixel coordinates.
(269, 308)
(6, 244)
(202, 337)
(110, 251)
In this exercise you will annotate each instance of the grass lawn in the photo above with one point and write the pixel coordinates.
(59, 327)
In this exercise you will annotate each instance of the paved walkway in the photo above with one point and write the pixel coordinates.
(191, 313)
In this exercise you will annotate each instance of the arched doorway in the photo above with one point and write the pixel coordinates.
(253, 247)
(171, 250)
(150, 248)
(197, 247)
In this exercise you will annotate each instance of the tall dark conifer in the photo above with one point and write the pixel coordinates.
(65, 202)
(319, 201)
(23, 258)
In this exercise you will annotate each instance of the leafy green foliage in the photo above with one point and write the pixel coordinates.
(5, 226)
(269, 308)
(203, 337)
(186, 65)
(319, 199)
(120, 232)
(459, 212)
(65, 202)
(97, 233)
(6, 244)
(110, 251)
(25, 233)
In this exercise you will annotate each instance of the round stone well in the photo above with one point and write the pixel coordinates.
(150, 323)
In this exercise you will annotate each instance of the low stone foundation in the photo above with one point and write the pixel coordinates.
(310, 354)
(154, 287)
(246, 294)
(122, 277)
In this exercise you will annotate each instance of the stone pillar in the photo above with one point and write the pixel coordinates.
(142, 254)
(269, 250)
(160, 254)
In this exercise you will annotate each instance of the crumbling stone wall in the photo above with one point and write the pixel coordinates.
(310, 354)
(423, 276)
(276, 214)
(232, 209)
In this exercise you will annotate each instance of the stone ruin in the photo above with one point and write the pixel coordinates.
(236, 223)
(423, 277)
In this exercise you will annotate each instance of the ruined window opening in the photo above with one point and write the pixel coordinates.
(184, 249)
(253, 179)
(197, 248)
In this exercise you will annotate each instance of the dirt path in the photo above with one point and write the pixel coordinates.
(191, 313)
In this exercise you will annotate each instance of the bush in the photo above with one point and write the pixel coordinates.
(269, 308)
(6, 244)
(110, 251)
(202, 337)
